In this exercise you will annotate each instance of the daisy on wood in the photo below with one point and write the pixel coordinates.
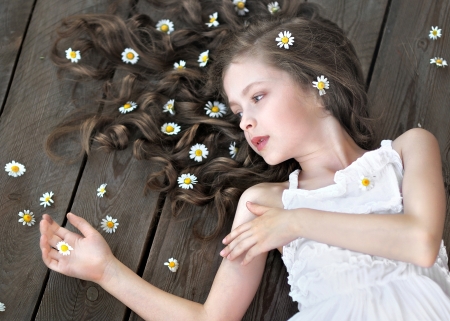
(127, 107)
(46, 199)
(187, 181)
(64, 248)
(27, 217)
(321, 84)
(439, 62)
(215, 109)
(15, 169)
(435, 33)
(213, 20)
(165, 25)
(169, 107)
(72, 55)
(170, 128)
(198, 152)
(273, 7)
(101, 190)
(366, 183)
(203, 58)
(2, 307)
(285, 40)
(172, 264)
(233, 149)
(109, 224)
(129, 56)
(240, 7)
(180, 65)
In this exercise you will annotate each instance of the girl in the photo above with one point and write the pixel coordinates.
(360, 231)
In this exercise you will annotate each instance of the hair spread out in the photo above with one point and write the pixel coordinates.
(320, 48)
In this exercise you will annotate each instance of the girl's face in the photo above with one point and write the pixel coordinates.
(279, 118)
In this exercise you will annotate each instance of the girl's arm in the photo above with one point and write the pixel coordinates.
(413, 236)
(232, 291)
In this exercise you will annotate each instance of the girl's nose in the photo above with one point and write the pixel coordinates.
(247, 122)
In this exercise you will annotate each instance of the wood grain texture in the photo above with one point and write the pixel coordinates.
(14, 17)
(406, 90)
(361, 21)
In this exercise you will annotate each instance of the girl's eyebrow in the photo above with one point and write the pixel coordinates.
(246, 90)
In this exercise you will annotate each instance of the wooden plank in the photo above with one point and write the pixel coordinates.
(37, 101)
(68, 298)
(406, 90)
(361, 20)
(13, 21)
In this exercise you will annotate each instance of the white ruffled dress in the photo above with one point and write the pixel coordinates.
(335, 284)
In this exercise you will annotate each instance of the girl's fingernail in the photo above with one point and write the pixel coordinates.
(223, 241)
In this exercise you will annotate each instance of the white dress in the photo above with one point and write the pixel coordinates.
(335, 284)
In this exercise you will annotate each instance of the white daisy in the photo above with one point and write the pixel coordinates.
(27, 217)
(129, 106)
(169, 107)
(435, 33)
(285, 40)
(233, 149)
(170, 129)
(321, 84)
(273, 7)
(180, 65)
(130, 56)
(165, 25)
(172, 264)
(187, 181)
(46, 199)
(215, 109)
(15, 169)
(101, 190)
(2, 307)
(203, 58)
(109, 224)
(72, 55)
(440, 62)
(198, 152)
(240, 7)
(213, 20)
(365, 183)
(64, 248)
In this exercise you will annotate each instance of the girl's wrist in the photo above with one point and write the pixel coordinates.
(110, 273)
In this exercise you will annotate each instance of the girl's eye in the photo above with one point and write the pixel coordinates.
(257, 98)
(239, 114)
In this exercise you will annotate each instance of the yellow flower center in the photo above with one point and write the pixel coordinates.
(15, 168)
(365, 182)
(215, 109)
(171, 264)
(274, 9)
(187, 181)
(198, 152)
(164, 28)
(170, 106)
(212, 19)
(27, 218)
(130, 55)
(102, 189)
(180, 67)
(47, 198)
(169, 129)
(438, 61)
(73, 54)
(240, 5)
(110, 224)
(205, 58)
(126, 106)
(285, 40)
(321, 85)
(64, 248)
(434, 32)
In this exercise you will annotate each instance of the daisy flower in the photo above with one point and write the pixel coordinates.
(203, 58)
(46, 199)
(72, 55)
(129, 106)
(435, 33)
(109, 224)
(240, 7)
(169, 107)
(63, 248)
(130, 56)
(101, 190)
(213, 20)
(187, 181)
(321, 84)
(165, 25)
(273, 7)
(172, 264)
(180, 65)
(440, 62)
(365, 183)
(15, 169)
(285, 39)
(198, 151)
(170, 129)
(233, 149)
(27, 217)
(215, 109)
(2, 307)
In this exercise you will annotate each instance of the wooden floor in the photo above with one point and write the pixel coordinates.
(391, 37)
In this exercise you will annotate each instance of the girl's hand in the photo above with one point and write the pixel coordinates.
(91, 254)
(271, 230)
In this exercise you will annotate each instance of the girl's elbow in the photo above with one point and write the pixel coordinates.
(427, 250)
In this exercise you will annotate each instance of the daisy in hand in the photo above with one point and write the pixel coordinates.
(46, 199)
(109, 224)
(64, 248)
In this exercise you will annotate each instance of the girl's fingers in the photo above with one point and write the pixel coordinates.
(236, 232)
(234, 243)
(242, 247)
(48, 259)
(45, 229)
(81, 224)
(256, 208)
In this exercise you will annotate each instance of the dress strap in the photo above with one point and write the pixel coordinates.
(386, 143)
(293, 179)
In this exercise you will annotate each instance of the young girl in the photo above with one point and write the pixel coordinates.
(360, 231)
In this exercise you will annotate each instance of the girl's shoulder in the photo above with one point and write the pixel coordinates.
(267, 194)
(414, 142)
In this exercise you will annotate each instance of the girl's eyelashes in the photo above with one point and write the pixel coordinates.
(257, 98)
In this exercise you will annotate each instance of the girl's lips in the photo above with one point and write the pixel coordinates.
(260, 141)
